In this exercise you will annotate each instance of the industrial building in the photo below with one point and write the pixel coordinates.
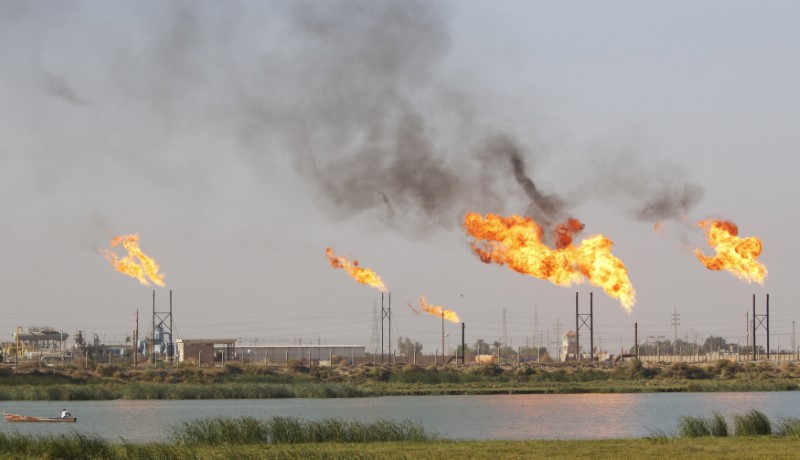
(40, 343)
(220, 351)
(206, 351)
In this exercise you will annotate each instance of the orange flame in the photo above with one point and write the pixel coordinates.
(564, 232)
(516, 242)
(362, 275)
(733, 253)
(437, 310)
(144, 269)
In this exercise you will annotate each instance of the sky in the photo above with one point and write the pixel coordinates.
(240, 140)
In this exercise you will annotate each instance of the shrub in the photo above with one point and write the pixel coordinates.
(687, 371)
(725, 368)
(634, 369)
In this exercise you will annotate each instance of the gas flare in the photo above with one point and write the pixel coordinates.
(566, 231)
(516, 242)
(136, 264)
(733, 253)
(362, 275)
(437, 310)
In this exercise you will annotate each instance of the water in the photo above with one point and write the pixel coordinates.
(573, 416)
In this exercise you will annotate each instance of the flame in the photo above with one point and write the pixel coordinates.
(516, 242)
(143, 269)
(564, 232)
(437, 310)
(733, 253)
(362, 275)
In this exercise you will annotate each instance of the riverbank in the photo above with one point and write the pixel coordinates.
(286, 437)
(235, 381)
(702, 448)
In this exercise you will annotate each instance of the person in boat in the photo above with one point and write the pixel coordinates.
(65, 414)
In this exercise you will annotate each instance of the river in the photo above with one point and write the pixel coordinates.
(573, 416)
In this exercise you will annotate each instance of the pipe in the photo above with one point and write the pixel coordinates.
(463, 347)
(591, 328)
(577, 333)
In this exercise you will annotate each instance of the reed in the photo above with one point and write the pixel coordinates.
(754, 423)
(718, 426)
(693, 427)
(73, 445)
(288, 430)
(789, 427)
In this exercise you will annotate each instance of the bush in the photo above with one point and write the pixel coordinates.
(688, 371)
(633, 369)
(725, 368)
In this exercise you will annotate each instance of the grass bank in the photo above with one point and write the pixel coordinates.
(235, 381)
(75, 447)
(281, 437)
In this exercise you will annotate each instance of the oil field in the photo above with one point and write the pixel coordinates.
(399, 229)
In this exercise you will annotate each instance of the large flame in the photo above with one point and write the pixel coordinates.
(136, 264)
(733, 253)
(362, 275)
(516, 242)
(437, 310)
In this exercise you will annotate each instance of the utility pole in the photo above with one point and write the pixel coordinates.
(676, 318)
(136, 342)
(505, 330)
(636, 339)
(153, 338)
(558, 335)
(463, 346)
(386, 313)
(443, 336)
(760, 321)
(747, 328)
(584, 321)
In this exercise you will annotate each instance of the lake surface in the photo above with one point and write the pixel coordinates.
(580, 416)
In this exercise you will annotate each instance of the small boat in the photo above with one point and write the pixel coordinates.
(31, 418)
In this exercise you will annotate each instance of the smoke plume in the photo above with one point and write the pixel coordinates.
(358, 94)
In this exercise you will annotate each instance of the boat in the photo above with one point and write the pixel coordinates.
(31, 418)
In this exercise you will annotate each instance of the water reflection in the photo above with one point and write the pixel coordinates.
(574, 416)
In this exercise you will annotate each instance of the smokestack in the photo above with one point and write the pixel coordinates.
(577, 332)
(463, 347)
(591, 328)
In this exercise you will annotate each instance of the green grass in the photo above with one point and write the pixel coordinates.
(235, 381)
(789, 427)
(288, 430)
(718, 426)
(754, 423)
(698, 448)
(693, 427)
(281, 437)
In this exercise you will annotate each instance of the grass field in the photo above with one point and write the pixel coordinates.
(281, 437)
(763, 447)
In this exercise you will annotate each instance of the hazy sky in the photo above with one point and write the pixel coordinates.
(240, 139)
